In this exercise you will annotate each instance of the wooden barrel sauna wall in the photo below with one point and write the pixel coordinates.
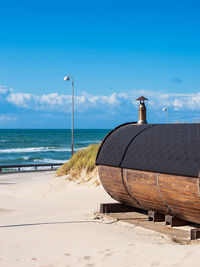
(153, 167)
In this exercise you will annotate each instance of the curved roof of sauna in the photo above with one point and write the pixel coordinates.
(163, 148)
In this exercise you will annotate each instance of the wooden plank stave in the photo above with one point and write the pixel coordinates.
(179, 192)
(145, 189)
(115, 186)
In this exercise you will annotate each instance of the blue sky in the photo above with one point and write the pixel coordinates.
(116, 51)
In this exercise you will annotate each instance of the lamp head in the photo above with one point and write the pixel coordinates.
(164, 109)
(66, 78)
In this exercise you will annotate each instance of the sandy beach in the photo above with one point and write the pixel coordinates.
(50, 222)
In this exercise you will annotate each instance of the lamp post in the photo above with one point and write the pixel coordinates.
(68, 78)
(166, 109)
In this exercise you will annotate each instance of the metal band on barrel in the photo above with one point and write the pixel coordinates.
(158, 187)
(128, 190)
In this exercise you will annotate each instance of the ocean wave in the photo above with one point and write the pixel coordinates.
(25, 158)
(47, 160)
(31, 149)
(89, 142)
(37, 149)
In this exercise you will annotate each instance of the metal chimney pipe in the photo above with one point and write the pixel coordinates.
(142, 110)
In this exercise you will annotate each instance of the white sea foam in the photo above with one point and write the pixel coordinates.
(30, 149)
(46, 160)
(37, 149)
(26, 158)
(89, 142)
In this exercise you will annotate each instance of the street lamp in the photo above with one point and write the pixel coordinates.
(166, 109)
(68, 78)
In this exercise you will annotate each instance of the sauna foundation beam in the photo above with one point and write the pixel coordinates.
(115, 208)
(155, 216)
(174, 221)
(195, 234)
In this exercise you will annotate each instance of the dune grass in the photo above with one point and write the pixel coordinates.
(82, 160)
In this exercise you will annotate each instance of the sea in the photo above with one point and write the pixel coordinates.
(40, 146)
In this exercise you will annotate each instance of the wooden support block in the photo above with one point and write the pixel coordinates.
(115, 208)
(155, 216)
(195, 234)
(174, 221)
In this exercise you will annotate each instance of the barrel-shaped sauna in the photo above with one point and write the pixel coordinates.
(153, 167)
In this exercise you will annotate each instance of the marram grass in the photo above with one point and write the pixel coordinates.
(82, 160)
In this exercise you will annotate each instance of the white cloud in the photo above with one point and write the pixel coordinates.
(56, 102)
(4, 118)
(20, 99)
(176, 101)
(5, 90)
(116, 102)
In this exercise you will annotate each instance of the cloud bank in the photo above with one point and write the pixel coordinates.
(55, 102)
(114, 108)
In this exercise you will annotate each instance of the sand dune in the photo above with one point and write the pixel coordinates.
(48, 221)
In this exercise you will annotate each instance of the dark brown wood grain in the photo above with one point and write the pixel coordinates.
(165, 193)
(112, 181)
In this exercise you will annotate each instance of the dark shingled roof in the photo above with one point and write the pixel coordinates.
(164, 148)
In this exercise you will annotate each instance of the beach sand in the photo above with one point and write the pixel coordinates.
(49, 222)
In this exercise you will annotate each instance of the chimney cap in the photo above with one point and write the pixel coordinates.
(141, 98)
